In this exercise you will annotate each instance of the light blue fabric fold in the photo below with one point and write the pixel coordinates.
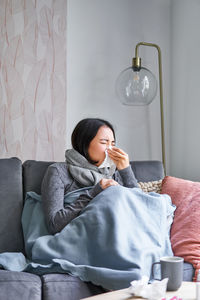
(114, 240)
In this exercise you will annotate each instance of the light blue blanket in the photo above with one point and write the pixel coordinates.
(114, 240)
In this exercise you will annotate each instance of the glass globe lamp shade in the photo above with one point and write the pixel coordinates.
(136, 86)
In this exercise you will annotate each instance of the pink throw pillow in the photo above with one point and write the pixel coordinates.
(185, 230)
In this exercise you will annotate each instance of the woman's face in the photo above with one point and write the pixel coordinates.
(103, 139)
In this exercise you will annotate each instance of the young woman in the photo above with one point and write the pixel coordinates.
(84, 168)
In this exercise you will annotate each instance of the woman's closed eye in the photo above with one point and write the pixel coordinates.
(107, 142)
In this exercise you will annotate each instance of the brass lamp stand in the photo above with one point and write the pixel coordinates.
(138, 86)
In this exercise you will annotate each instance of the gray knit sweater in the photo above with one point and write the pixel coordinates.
(58, 181)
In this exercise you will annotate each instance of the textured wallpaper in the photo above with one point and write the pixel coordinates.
(33, 79)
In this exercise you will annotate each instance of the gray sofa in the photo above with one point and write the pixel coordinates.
(15, 180)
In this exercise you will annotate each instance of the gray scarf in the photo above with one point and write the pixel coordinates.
(83, 171)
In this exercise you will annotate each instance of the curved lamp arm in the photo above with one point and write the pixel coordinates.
(137, 64)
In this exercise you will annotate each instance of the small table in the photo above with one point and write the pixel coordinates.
(187, 291)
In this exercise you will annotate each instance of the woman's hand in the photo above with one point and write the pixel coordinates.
(119, 157)
(105, 183)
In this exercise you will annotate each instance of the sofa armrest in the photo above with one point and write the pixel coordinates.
(11, 203)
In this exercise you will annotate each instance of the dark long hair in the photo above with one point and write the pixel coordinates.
(84, 132)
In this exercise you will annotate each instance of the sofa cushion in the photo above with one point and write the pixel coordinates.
(151, 186)
(11, 203)
(66, 287)
(185, 230)
(146, 171)
(33, 173)
(19, 286)
(188, 272)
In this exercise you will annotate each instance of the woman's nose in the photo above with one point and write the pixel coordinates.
(109, 145)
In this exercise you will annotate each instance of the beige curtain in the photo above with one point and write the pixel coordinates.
(33, 79)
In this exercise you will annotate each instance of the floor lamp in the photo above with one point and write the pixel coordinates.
(137, 85)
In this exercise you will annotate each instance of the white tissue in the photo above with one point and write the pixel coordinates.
(108, 162)
(153, 291)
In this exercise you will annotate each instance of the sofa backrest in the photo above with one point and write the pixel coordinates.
(11, 205)
(33, 173)
(149, 170)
